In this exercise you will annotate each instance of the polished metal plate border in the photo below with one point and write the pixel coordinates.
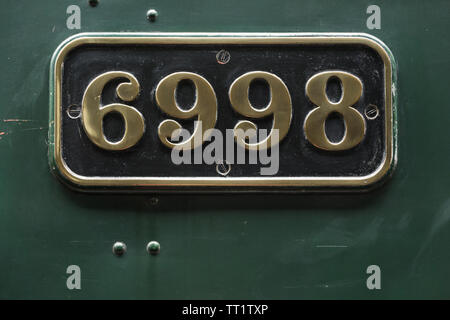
(58, 164)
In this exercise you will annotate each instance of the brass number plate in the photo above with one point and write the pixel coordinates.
(222, 112)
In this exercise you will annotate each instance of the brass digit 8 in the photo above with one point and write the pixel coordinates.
(314, 125)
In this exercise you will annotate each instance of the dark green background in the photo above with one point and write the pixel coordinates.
(226, 246)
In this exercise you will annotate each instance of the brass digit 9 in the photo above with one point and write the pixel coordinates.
(280, 106)
(314, 125)
(92, 113)
(205, 108)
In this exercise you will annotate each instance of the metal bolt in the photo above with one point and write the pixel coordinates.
(223, 57)
(153, 247)
(119, 248)
(152, 14)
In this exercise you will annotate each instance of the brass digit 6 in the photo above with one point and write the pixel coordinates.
(280, 106)
(92, 113)
(205, 108)
(314, 125)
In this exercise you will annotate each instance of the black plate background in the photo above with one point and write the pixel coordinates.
(294, 64)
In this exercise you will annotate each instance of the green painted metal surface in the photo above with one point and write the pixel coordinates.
(226, 246)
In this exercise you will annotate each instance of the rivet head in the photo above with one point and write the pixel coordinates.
(153, 247)
(93, 3)
(119, 248)
(152, 14)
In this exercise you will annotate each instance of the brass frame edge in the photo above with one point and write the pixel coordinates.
(59, 166)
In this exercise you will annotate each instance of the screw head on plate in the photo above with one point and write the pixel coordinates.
(223, 57)
(223, 168)
(371, 112)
